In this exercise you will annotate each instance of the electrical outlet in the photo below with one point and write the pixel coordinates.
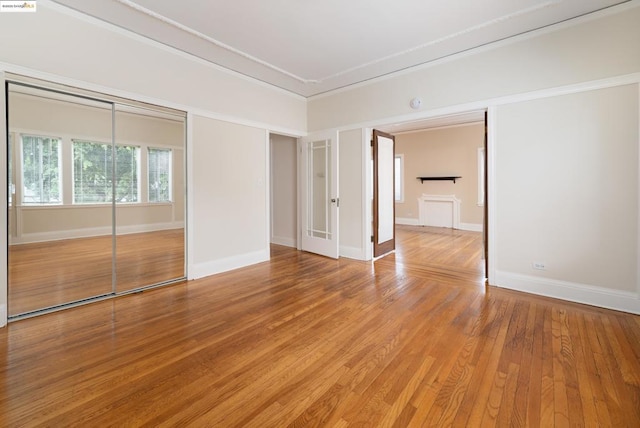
(539, 265)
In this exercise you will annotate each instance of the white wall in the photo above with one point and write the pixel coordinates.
(351, 190)
(229, 203)
(566, 196)
(284, 190)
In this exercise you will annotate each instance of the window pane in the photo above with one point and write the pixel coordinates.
(92, 173)
(127, 173)
(40, 170)
(159, 175)
(398, 179)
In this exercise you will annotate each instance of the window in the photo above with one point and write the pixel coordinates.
(159, 168)
(398, 181)
(41, 170)
(93, 172)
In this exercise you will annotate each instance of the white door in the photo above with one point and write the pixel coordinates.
(319, 193)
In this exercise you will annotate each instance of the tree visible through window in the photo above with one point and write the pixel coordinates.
(159, 175)
(40, 170)
(93, 173)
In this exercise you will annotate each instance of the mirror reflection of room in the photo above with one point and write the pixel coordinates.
(96, 198)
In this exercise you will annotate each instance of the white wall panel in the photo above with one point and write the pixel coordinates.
(229, 198)
(567, 194)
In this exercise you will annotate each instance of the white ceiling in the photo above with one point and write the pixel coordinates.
(313, 46)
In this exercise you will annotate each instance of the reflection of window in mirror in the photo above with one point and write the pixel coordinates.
(398, 178)
(481, 176)
(92, 182)
(159, 169)
(40, 170)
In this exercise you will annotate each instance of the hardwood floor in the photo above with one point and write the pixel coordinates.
(414, 339)
(52, 273)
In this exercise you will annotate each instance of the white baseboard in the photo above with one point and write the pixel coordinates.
(29, 238)
(574, 292)
(281, 240)
(352, 253)
(408, 221)
(471, 227)
(200, 270)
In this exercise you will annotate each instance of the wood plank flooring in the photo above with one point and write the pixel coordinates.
(414, 339)
(52, 273)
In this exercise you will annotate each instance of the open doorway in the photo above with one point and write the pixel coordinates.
(283, 190)
(441, 176)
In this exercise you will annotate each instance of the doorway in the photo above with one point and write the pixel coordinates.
(443, 173)
(283, 190)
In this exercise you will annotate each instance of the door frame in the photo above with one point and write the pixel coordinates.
(490, 183)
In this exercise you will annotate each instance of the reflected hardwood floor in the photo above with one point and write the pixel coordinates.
(51, 273)
(414, 339)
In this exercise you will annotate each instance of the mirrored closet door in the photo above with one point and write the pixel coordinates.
(96, 197)
(150, 205)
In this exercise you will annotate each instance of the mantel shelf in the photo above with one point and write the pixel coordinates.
(451, 178)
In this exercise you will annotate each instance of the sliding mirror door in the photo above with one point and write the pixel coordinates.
(96, 198)
(60, 235)
(150, 197)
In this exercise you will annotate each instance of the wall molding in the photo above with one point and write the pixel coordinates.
(100, 89)
(201, 270)
(30, 238)
(484, 104)
(609, 11)
(575, 292)
(65, 10)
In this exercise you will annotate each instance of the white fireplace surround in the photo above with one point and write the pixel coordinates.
(439, 211)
